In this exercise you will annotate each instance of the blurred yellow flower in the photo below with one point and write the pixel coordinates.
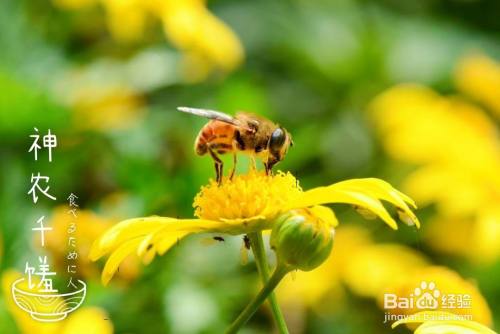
(374, 268)
(89, 228)
(447, 283)
(106, 107)
(310, 288)
(99, 104)
(88, 320)
(126, 19)
(83, 320)
(207, 43)
(246, 204)
(365, 267)
(443, 323)
(478, 76)
(204, 38)
(456, 148)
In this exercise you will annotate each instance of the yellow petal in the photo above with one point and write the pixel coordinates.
(325, 214)
(436, 322)
(123, 231)
(145, 245)
(159, 243)
(367, 214)
(146, 236)
(363, 193)
(117, 257)
(168, 241)
(164, 238)
(142, 227)
(384, 191)
(148, 257)
(456, 327)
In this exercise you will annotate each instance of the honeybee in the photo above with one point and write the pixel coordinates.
(245, 132)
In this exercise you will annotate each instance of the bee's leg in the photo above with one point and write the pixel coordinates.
(218, 165)
(235, 160)
(253, 165)
(268, 169)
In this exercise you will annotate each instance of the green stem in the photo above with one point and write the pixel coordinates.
(259, 253)
(251, 308)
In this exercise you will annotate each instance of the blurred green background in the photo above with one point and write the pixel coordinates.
(107, 84)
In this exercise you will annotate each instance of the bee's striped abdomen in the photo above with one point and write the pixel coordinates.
(216, 135)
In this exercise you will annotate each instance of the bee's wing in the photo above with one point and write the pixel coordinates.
(211, 114)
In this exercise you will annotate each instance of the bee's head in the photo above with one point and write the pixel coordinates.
(279, 142)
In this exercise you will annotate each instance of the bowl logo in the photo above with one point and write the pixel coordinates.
(47, 306)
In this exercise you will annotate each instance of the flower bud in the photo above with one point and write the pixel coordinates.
(303, 238)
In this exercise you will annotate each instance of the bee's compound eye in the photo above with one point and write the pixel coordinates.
(277, 139)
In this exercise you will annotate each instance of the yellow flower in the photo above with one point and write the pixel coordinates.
(83, 320)
(475, 238)
(443, 323)
(88, 320)
(204, 38)
(106, 107)
(446, 282)
(207, 43)
(373, 268)
(479, 77)
(99, 104)
(252, 199)
(246, 204)
(89, 228)
(126, 19)
(455, 147)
